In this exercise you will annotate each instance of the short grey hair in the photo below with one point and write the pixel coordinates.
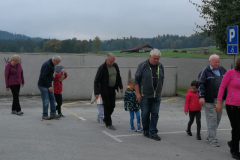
(110, 55)
(155, 52)
(213, 55)
(56, 58)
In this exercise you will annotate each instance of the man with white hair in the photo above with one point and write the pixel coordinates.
(210, 79)
(108, 80)
(148, 85)
(46, 89)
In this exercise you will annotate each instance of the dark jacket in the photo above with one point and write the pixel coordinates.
(143, 78)
(13, 75)
(130, 100)
(206, 84)
(102, 79)
(46, 74)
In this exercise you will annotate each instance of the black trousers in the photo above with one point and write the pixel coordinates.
(109, 105)
(234, 117)
(15, 92)
(58, 98)
(192, 115)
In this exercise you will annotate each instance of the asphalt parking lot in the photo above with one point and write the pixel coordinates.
(78, 136)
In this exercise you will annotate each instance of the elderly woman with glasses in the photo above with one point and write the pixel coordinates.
(14, 79)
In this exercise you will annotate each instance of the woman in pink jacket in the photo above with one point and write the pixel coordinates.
(231, 80)
(193, 107)
(14, 79)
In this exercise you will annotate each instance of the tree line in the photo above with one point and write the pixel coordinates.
(218, 15)
(82, 46)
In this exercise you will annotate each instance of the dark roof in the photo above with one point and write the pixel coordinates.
(137, 48)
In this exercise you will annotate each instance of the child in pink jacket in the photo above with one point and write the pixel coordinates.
(193, 107)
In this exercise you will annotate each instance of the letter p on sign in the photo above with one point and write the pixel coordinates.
(232, 34)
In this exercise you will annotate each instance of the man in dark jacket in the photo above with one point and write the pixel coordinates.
(210, 79)
(108, 80)
(46, 89)
(148, 85)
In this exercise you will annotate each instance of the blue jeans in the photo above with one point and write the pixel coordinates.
(132, 118)
(150, 106)
(100, 111)
(46, 98)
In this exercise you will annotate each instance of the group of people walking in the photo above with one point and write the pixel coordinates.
(214, 85)
(14, 79)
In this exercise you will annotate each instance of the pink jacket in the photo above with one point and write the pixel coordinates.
(192, 102)
(231, 80)
(13, 76)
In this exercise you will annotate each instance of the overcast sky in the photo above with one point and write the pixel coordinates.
(86, 19)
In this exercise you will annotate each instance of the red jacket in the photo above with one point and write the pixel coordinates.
(192, 102)
(57, 82)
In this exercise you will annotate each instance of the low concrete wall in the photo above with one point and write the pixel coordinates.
(81, 71)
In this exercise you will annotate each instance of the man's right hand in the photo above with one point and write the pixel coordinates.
(139, 97)
(201, 101)
(7, 89)
(96, 96)
(50, 89)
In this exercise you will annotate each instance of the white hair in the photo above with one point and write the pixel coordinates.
(213, 55)
(56, 58)
(110, 55)
(155, 52)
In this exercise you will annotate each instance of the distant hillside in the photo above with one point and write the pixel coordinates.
(4, 35)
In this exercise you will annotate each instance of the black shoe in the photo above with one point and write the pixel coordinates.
(189, 133)
(111, 127)
(236, 155)
(146, 134)
(199, 137)
(155, 137)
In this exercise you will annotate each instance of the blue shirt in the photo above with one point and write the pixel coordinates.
(215, 71)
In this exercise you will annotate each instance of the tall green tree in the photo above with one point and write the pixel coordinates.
(218, 14)
(97, 45)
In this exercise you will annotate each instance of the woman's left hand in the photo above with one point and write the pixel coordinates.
(22, 85)
(218, 107)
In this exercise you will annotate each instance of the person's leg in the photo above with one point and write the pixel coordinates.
(191, 120)
(13, 89)
(131, 113)
(233, 115)
(154, 110)
(139, 128)
(198, 121)
(52, 103)
(17, 100)
(106, 104)
(45, 100)
(101, 111)
(59, 102)
(111, 106)
(211, 117)
(145, 108)
(219, 115)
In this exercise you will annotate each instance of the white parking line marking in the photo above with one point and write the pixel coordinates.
(129, 135)
(82, 118)
(113, 137)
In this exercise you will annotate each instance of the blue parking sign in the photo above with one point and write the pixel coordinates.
(232, 49)
(232, 35)
(232, 40)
